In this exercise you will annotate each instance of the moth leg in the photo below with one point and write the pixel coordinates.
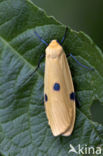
(32, 73)
(41, 58)
(80, 64)
(73, 96)
(66, 29)
(77, 101)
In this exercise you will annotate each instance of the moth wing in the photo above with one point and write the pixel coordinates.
(58, 88)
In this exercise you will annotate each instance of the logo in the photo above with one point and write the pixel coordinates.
(85, 150)
(72, 149)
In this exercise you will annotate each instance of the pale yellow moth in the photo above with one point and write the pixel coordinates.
(59, 91)
(59, 96)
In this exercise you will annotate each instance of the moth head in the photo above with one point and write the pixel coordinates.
(54, 49)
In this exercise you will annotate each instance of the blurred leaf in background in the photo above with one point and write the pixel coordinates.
(84, 15)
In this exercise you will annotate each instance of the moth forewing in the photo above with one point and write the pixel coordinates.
(58, 91)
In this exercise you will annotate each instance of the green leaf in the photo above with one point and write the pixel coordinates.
(24, 127)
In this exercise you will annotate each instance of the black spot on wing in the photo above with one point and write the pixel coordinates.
(72, 96)
(56, 87)
(46, 97)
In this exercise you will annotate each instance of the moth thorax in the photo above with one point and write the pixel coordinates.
(54, 49)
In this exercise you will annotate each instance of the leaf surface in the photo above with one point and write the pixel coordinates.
(24, 127)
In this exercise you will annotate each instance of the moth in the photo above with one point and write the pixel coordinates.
(58, 91)
(59, 95)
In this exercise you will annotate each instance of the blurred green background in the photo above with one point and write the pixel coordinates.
(80, 15)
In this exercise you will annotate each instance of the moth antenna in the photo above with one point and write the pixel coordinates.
(64, 35)
(80, 63)
(43, 41)
(32, 73)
